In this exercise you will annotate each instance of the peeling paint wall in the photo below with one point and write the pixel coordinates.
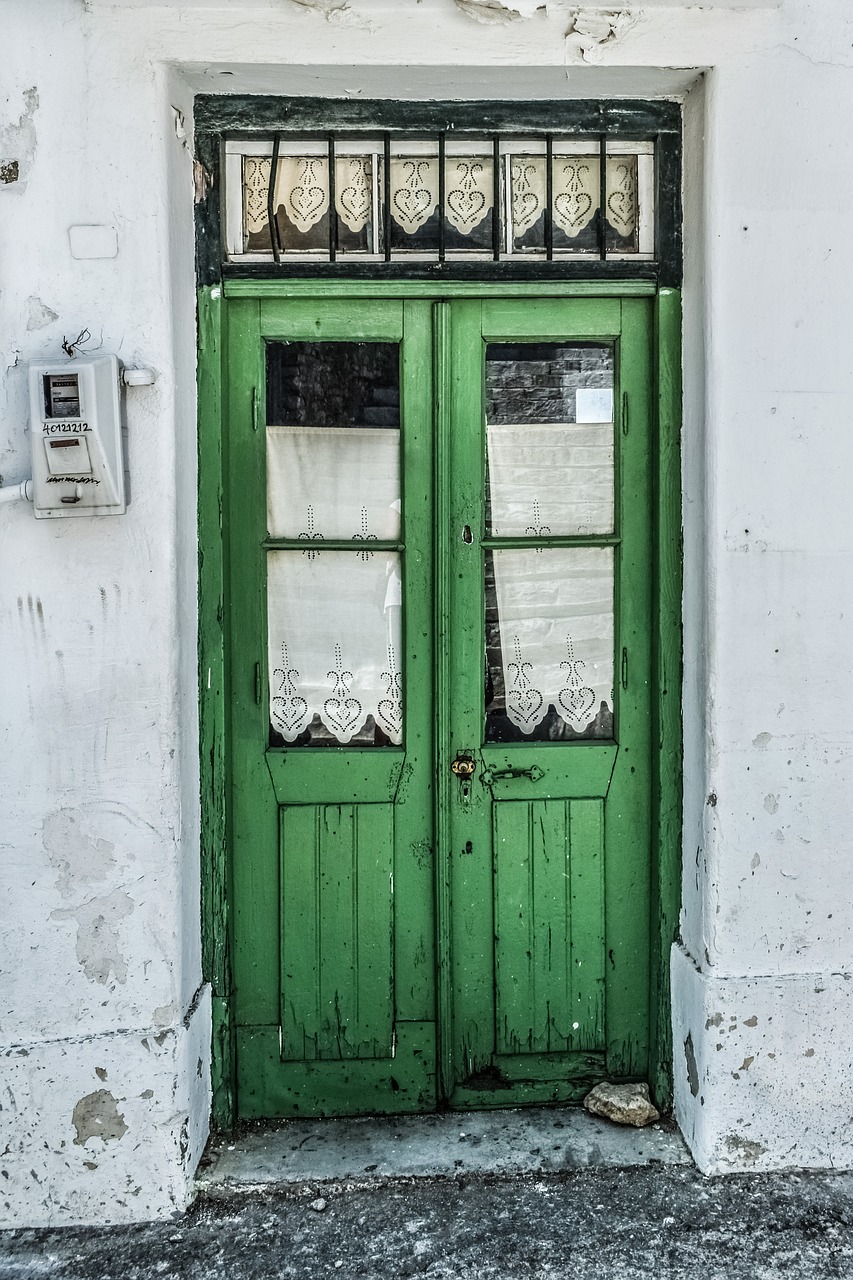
(104, 1022)
(99, 931)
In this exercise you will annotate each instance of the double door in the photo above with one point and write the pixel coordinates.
(438, 521)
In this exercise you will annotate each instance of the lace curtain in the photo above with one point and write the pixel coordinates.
(334, 642)
(556, 622)
(555, 606)
(333, 482)
(302, 199)
(551, 478)
(334, 617)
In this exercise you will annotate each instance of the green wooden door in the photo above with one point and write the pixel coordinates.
(548, 651)
(330, 529)
(439, 543)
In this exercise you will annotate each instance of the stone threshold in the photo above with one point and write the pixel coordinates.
(445, 1145)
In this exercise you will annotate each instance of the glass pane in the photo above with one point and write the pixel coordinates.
(334, 627)
(470, 202)
(333, 440)
(414, 203)
(302, 203)
(549, 439)
(549, 644)
(529, 192)
(469, 197)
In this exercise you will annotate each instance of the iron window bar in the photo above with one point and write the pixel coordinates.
(501, 178)
(386, 195)
(496, 198)
(602, 197)
(333, 212)
(442, 194)
(549, 197)
(272, 220)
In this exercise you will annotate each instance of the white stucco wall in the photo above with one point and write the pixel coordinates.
(104, 1021)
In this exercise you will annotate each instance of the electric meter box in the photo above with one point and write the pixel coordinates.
(77, 438)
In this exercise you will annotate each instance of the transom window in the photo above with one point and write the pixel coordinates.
(432, 199)
(515, 191)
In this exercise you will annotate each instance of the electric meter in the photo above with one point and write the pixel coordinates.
(77, 438)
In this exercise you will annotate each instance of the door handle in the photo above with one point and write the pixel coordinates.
(534, 773)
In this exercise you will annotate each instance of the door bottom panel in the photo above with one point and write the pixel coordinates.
(531, 1080)
(269, 1088)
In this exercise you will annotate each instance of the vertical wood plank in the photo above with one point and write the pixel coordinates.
(338, 931)
(374, 854)
(667, 657)
(586, 871)
(515, 984)
(213, 760)
(552, 1013)
(301, 1022)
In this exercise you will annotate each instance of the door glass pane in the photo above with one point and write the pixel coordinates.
(549, 437)
(334, 628)
(333, 440)
(549, 644)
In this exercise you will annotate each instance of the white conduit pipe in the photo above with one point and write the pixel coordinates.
(14, 492)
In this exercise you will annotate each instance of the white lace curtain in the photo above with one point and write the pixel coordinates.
(334, 642)
(333, 482)
(334, 617)
(302, 191)
(555, 606)
(551, 478)
(556, 623)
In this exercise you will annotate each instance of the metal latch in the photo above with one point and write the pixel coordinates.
(534, 773)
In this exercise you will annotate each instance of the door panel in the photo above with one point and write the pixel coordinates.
(549, 926)
(337, 998)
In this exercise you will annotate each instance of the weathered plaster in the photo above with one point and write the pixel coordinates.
(592, 31)
(97, 1116)
(488, 11)
(104, 1127)
(18, 142)
(39, 315)
(763, 1077)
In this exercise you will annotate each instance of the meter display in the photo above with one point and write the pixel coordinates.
(61, 395)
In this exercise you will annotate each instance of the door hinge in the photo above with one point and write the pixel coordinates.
(624, 413)
(624, 668)
(256, 409)
(258, 683)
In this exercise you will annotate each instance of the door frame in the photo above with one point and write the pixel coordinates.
(214, 672)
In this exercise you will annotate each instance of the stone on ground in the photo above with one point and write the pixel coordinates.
(622, 1103)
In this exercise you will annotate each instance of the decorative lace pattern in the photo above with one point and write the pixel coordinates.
(302, 198)
(334, 642)
(414, 192)
(556, 622)
(576, 192)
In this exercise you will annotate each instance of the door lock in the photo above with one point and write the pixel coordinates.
(463, 766)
